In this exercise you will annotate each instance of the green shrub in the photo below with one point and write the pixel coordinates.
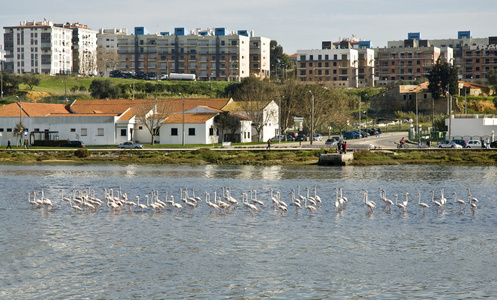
(82, 153)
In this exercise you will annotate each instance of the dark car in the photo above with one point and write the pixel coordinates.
(461, 142)
(351, 135)
(301, 137)
(290, 138)
(493, 144)
(74, 144)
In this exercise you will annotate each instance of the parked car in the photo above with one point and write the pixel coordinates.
(74, 144)
(331, 142)
(317, 137)
(291, 133)
(351, 135)
(278, 138)
(130, 145)
(474, 144)
(301, 137)
(493, 144)
(463, 143)
(290, 138)
(448, 144)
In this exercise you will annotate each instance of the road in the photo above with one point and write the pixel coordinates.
(386, 140)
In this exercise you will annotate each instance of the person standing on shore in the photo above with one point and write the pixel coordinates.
(345, 147)
(9, 145)
(268, 144)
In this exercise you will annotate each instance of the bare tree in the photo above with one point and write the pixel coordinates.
(152, 114)
(107, 60)
(254, 96)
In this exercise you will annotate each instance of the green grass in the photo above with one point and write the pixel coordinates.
(60, 85)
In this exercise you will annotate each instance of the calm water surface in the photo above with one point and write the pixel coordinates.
(65, 254)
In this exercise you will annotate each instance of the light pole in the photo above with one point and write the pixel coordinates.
(183, 123)
(312, 117)
(360, 133)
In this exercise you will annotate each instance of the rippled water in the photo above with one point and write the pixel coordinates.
(65, 254)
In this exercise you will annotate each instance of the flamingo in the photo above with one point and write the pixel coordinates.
(208, 201)
(369, 204)
(401, 206)
(311, 208)
(443, 200)
(458, 201)
(254, 200)
(46, 201)
(249, 206)
(176, 205)
(338, 204)
(295, 202)
(471, 198)
(75, 207)
(388, 202)
(421, 204)
(316, 197)
(310, 199)
(437, 204)
(140, 205)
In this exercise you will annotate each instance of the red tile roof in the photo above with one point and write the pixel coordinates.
(30, 109)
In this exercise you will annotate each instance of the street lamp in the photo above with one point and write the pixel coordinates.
(183, 123)
(312, 116)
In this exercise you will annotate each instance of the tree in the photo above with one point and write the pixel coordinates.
(152, 114)
(492, 77)
(101, 89)
(31, 80)
(107, 60)
(227, 122)
(254, 95)
(443, 78)
(10, 83)
(279, 61)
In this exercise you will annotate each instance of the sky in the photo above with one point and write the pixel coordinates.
(295, 25)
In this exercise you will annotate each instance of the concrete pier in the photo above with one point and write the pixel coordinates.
(335, 159)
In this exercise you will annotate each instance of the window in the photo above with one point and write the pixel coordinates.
(73, 129)
(174, 131)
(211, 131)
(191, 131)
(1, 129)
(100, 132)
(123, 132)
(9, 129)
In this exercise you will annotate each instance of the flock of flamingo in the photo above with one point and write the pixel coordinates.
(224, 202)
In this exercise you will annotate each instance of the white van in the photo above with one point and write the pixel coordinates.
(474, 144)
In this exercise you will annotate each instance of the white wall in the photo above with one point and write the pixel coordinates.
(65, 125)
(472, 128)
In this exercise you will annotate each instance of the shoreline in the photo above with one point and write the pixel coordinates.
(299, 156)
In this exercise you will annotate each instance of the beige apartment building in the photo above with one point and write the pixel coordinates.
(406, 63)
(212, 54)
(343, 67)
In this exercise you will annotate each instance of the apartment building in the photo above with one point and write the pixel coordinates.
(407, 63)
(38, 47)
(345, 64)
(211, 54)
(84, 48)
(473, 57)
(107, 45)
(477, 61)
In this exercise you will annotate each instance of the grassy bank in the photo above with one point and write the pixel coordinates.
(248, 157)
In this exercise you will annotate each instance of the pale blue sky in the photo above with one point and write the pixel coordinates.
(294, 24)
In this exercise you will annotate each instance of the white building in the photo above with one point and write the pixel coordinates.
(472, 127)
(107, 122)
(38, 47)
(107, 45)
(84, 48)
